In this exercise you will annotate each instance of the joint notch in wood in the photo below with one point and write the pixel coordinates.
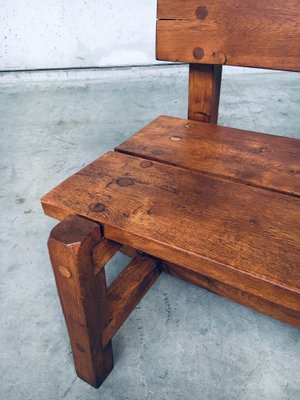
(103, 252)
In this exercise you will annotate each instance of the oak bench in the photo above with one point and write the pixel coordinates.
(216, 206)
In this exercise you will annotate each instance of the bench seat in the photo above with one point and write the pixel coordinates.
(267, 161)
(219, 206)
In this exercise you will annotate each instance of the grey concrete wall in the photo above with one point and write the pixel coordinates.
(38, 34)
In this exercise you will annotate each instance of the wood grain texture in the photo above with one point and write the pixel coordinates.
(256, 159)
(83, 296)
(273, 310)
(256, 303)
(204, 92)
(240, 235)
(127, 290)
(253, 33)
(129, 251)
(103, 252)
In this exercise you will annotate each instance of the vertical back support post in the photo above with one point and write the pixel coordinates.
(204, 92)
(83, 296)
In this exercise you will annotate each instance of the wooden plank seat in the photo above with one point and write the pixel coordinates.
(266, 161)
(216, 206)
(244, 236)
(178, 191)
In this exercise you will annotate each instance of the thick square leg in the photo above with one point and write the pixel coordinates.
(83, 296)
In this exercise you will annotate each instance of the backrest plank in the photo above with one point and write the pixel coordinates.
(253, 33)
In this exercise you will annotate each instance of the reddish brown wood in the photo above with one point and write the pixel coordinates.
(204, 92)
(127, 291)
(245, 237)
(83, 296)
(103, 252)
(129, 251)
(273, 310)
(219, 206)
(276, 311)
(257, 159)
(253, 33)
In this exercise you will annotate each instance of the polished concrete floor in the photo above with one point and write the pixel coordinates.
(181, 342)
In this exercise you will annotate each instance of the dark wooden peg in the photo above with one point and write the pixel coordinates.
(198, 53)
(202, 12)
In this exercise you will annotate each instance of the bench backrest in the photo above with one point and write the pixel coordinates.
(250, 33)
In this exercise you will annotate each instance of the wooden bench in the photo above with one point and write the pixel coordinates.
(216, 206)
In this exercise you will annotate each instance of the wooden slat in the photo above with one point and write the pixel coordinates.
(127, 290)
(204, 92)
(254, 33)
(246, 299)
(240, 235)
(261, 160)
(103, 252)
(256, 303)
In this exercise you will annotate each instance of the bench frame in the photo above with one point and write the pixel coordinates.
(79, 251)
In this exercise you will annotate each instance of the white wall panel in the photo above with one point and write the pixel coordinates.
(38, 34)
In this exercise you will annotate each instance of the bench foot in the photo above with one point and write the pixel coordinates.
(83, 296)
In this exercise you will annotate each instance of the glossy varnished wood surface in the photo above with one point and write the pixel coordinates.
(83, 296)
(204, 92)
(276, 311)
(241, 235)
(254, 33)
(218, 207)
(103, 252)
(257, 159)
(127, 290)
(271, 309)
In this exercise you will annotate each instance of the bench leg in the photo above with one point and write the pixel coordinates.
(83, 296)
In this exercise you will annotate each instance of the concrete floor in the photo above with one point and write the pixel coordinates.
(181, 342)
